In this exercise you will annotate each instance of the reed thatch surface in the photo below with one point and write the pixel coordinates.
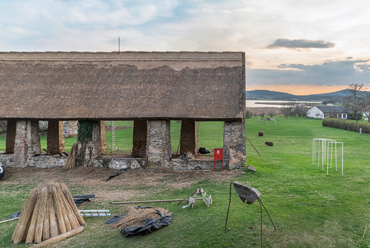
(127, 85)
(48, 212)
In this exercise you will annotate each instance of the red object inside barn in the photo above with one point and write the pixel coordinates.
(218, 155)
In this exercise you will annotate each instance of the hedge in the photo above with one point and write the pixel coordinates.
(346, 125)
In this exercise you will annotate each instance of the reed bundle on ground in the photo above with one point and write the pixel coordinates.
(71, 160)
(137, 217)
(49, 211)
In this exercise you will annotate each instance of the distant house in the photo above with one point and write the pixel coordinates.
(321, 112)
(366, 115)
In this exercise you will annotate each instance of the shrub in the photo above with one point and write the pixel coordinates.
(248, 114)
(346, 125)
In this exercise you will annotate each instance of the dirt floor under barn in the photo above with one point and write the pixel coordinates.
(124, 187)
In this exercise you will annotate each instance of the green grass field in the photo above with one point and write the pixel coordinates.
(309, 208)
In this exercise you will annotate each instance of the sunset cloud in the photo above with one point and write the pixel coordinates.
(329, 73)
(285, 43)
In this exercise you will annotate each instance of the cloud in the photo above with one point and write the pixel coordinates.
(329, 73)
(301, 44)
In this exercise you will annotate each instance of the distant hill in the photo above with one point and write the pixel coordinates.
(281, 96)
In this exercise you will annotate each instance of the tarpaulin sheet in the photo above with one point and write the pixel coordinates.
(149, 226)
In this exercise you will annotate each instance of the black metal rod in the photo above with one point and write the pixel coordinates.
(261, 219)
(268, 214)
(227, 216)
(252, 145)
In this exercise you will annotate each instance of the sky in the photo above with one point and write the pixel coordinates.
(296, 46)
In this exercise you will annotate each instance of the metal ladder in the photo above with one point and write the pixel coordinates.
(113, 136)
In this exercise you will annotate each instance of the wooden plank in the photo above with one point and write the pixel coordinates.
(60, 237)
(9, 220)
(152, 201)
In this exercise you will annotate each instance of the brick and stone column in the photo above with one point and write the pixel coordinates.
(27, 142)
(234, 154)
(91, 146)
(188, 141)
(10, 136)
(35, 138)
(139, 137)
(55, 136)
(158, 144)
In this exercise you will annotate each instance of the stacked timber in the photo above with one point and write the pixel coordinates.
(49, 212)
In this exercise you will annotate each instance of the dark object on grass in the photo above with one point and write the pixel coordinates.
(249, 194)
(2, 171)
(260, 133)
(150, 226)
(80, 199)
(15, 215)
(269, 143)
(203, 150)
(114, 175)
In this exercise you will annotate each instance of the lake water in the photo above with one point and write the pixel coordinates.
(271, 103)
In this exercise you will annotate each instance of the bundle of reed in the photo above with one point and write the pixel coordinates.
(138, 217)
(48, 212)
(71, 160)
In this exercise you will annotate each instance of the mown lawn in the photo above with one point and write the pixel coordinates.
(309, 208)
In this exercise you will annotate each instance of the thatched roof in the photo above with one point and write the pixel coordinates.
(126, 85)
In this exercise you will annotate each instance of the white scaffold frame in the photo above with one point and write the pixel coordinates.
(330, 145)
(323, 148)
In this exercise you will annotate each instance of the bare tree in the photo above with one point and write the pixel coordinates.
(300, 110)
(355, 98)
(287, 111)
(367, 107)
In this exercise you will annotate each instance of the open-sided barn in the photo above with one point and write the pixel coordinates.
(150, 88)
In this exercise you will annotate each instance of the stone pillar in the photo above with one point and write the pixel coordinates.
(10, 136)
(139, 137)
(27, 142)
(234, 154)
(102, 136)
(167, 150)
(158, 148)
(90, 146)
(96, 139)
(188, 140)
(55, 136)
(35, 137)
(20, 145)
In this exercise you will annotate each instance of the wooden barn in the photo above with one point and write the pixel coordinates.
(150, 88)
